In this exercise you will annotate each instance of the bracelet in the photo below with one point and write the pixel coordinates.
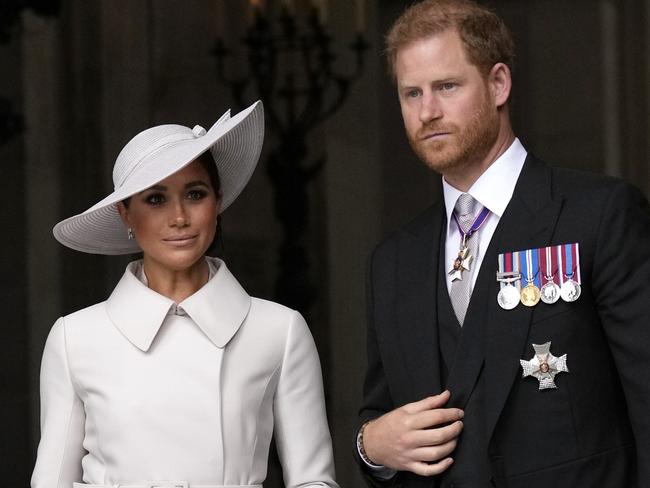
(362, 451)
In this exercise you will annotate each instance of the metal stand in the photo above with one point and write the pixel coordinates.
(292, 72)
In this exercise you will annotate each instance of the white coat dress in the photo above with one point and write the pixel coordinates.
(137, 390)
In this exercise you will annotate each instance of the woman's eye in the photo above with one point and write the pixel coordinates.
(196, 194)
(155, 199)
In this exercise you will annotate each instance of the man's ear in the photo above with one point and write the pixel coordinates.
(500, 84)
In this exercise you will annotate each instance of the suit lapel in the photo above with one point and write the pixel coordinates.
(417, 288)
(498, 337)
(529, 221)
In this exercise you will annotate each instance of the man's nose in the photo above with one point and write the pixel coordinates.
(430, 108)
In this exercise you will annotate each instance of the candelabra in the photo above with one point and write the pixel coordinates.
(292, 71)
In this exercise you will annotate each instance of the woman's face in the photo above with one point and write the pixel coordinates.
(174, 221)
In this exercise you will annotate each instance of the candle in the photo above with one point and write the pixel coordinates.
(361, 15)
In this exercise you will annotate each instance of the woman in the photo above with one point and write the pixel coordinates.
(180, 377)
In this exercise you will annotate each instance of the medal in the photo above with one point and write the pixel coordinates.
(508, 297)
(530, 294)
(544, 366)
(462, 262)
(550, 292)
(540, 267)
(570, 289)
(464, 259)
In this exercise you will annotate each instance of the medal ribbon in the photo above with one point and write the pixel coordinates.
(502, 268)
(545, 262)
(548, 263)
(576, 248)
(530, 262)
(533, 257)
(478, 222)
(568, 261)
(515, 267)
(572, 262)
(505, 266)
(560, 263)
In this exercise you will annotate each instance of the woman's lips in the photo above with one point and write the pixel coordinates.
(180, 241)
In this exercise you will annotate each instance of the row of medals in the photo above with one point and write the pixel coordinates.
(530, 295)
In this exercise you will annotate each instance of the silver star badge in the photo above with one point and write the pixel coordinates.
(544, 366)
(461, 263)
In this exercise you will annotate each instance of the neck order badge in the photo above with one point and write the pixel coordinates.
(464, 259)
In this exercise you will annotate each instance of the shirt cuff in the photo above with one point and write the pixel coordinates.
(377, 470)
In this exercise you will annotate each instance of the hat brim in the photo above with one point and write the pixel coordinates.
(235, 144)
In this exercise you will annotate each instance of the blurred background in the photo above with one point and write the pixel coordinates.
(81, 77)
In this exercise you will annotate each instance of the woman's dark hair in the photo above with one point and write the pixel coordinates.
(207, 161)
(209, 164)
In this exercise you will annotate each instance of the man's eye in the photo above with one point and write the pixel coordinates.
(412, 93)
(448, 86)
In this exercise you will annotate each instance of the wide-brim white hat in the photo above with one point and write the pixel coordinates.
(159, 152)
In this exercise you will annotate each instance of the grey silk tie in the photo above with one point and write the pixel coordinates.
(461, 290)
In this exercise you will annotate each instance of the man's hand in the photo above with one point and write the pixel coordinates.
(416, 437)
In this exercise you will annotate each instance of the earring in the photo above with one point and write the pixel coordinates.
(129, 233)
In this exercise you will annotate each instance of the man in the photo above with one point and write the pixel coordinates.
(509, 326)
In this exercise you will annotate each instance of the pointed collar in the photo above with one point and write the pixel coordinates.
(495, 186)
(218, 308)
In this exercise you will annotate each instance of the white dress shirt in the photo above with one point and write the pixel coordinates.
(137, 389)
(493, 190)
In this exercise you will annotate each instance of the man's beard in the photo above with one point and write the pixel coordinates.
(463, 147)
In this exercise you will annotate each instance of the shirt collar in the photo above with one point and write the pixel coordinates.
(218, 308)
(495, 186)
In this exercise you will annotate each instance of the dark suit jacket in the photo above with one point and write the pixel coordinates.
(594, 429)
